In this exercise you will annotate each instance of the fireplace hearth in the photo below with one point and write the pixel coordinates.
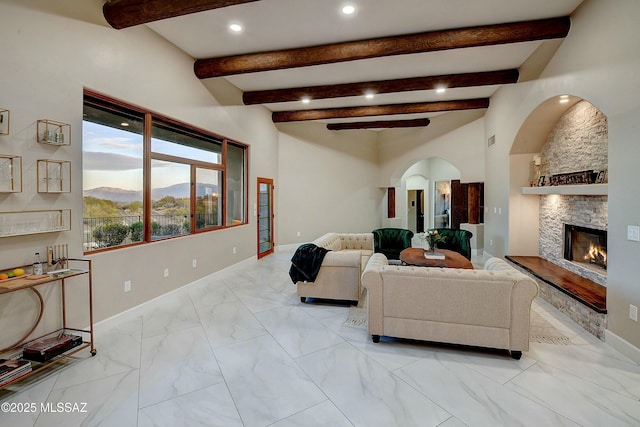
(586, 246)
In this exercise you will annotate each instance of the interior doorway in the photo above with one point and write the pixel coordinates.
(420, 211)
(416, 210)
(265, 215)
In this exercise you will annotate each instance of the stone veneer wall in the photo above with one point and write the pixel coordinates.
(579, 141)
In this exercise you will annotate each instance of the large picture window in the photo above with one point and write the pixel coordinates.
(169, 181)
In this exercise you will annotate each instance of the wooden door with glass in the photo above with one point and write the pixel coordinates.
(265, 217)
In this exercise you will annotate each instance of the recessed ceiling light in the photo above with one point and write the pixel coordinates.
(305, 100)
(369, 95)
(236, 28)
(348, 9)
(125, 124)
(441, 89)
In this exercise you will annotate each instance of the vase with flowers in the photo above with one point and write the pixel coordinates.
(432, 238)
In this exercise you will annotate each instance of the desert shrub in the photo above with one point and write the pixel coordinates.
(171, 229)
(137, 231)
(110, 235)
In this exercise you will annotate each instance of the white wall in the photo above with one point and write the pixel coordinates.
(463, 147)
(45, 63)
(328, 182)
(598, 62)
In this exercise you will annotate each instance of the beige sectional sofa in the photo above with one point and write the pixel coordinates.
(484, 308)
(339, 276)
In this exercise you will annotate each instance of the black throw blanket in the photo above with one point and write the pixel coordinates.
(306, 263)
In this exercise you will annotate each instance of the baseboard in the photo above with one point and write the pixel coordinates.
(183, 288)
(287, 248)
(622, 345)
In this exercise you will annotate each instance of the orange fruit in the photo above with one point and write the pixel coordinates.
(18, 272)
(3, 276)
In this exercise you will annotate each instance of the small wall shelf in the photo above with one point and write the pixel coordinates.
(34, 222)
(54, 133)
(10, 173)
(5, 116)
(54, 176)
(579, 190)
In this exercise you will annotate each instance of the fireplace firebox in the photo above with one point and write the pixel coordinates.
(586, 246)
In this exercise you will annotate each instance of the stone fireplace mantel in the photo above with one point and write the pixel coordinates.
(575, 190)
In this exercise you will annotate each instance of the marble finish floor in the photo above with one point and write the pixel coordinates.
(239, 349)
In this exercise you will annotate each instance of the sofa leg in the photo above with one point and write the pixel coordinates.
(303, 299)
(375, 338)
(516, 354)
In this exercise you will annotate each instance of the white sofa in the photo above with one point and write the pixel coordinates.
(484, 308)
(339, 276)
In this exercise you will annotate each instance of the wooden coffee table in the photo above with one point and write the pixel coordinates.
(452, 259)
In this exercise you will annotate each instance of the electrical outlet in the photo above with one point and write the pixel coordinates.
(633, 233)
(298, 234)
(166, 272)
(235, 250)
(194, 263)
(633, 312)
(127, 285)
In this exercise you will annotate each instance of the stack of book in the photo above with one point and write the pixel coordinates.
(45, 349)
(12, 369)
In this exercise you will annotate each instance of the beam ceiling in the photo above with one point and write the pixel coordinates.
(128, 13)
(383, 86)
(388, 124)
(431, 41)
(378, 110)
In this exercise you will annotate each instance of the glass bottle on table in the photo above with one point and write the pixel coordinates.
(37, 265)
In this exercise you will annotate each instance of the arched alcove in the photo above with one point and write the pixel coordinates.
(417, 177)
(563, 135)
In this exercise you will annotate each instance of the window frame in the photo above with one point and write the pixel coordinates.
(150, 117)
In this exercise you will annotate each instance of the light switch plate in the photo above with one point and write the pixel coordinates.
(633, 233)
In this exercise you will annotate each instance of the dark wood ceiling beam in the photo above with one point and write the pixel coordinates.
(128, 13)
(383, 86)
(387, 124)
(378, 110)
(386, 46)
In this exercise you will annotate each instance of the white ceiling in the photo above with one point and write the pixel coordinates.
(281, 24)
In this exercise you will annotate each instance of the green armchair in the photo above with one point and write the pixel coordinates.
(456, 240)
(391, 241)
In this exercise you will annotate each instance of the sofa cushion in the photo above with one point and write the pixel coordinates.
(360, 241)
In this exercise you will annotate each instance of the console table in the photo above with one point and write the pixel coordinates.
(30, 283)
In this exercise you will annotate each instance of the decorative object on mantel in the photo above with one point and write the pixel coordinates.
(603, 177)
(572, 178)
(432, 238)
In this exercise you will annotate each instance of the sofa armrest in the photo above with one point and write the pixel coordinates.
(522, 295)
(372, 280)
